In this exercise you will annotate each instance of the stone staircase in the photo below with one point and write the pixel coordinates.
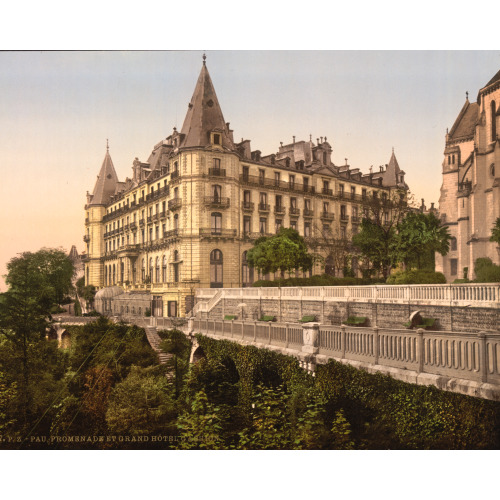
(154, 341)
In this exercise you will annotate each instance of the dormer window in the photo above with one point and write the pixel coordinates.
(216, 139)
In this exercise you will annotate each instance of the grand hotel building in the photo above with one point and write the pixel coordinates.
(189, 214)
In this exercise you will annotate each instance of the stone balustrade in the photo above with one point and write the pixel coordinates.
(467, 363)
(477, 294)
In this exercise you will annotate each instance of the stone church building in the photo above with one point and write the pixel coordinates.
(470, 193)
(189, 214)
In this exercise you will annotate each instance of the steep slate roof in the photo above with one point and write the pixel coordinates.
(465, 124)
(204, 115)
(106, 182)
(390, 177)
(496, 78)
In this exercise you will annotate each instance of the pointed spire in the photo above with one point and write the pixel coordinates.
(106, 182)
(391, 172)
(204, 115)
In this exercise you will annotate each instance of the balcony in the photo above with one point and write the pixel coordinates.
(141, 200)
(294, 212)
(217, 201)
(264, 207)
(327, 191)
(327, 215)
(156, 217)
(308, 189)
(247, 206)
(217, 172)
(150, 219)
(142, 222)
(129, 250)
(87, 220)
(173, 233)
(175, 204)
(355, 219)
(279, 210)
(86, 238)
(308, 212)
(133, 226)
(174, 175)
(163, 214)
(217, 232)
(255, 236)
(344, 218)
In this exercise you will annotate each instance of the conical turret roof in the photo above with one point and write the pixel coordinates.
(106, 182)
(204, 115)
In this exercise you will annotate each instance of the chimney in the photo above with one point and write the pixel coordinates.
(294, 139)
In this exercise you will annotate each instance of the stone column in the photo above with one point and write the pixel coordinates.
(311, 338)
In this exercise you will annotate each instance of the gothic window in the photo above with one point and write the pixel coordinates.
(216, 269)
(453, 267)
(453, 243)
(493, 121)
(216, 223)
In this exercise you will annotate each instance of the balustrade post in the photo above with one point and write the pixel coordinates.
(269, 334)
(232, 326)
(375, 345)
(254, 331)
(342, 340)
(420, 348)
(483, 359)
(311, 338)
(287, 333)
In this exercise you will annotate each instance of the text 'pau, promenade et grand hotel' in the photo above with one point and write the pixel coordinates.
(190, 213)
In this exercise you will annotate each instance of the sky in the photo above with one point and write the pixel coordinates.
(60, 107)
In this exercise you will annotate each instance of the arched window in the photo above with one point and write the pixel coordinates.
(157, 277)
(453, 243)
(143, 271)
(216, 269)
(216, 223)
(493, 121)
(246, 271)
(329, 266)
(151, 269)
(164, 269)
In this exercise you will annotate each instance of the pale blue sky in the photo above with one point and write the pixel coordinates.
(58, 108)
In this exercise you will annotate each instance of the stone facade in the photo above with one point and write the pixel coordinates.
(470, 193)
(188, 215)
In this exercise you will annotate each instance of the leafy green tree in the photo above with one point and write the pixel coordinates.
(419, 235)
(142, 404)
(284, 252)
(200, 428)
(375, 243)
(495, 232)
(175, 343)
(36, 282)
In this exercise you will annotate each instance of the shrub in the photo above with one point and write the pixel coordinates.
(78, 308)
(486, 271)
(415, 277)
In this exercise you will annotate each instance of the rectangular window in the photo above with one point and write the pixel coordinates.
(341, 189)
(216, 223)
(247, 224)
(363, 194)
(262, 175)
(246, 197)
(325, 207)
(263, 225)
(307, 229)
(276, 178)
(307, 204)
(278, 201)
(306, 183)
(353, 192)
(279, 225)
(216, 163)
(343, 232)
(245, 173)
(453, 267)
(293, 224)
(291, 181)
(293, 203)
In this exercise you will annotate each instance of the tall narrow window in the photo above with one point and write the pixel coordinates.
(217, 193)
(216, 223)
(246, 271)
(291, 181)
(453, 243)
(176, 221)
(157, 277)
(246, 172)
(293, 224)
(263, 225)
(164, 269)
(276, 179)
(247, 224)
(143, 271)
(176, 266)
(216, 165)
(262, 175)
(216, 269)
(493, 121)
(151, 269)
